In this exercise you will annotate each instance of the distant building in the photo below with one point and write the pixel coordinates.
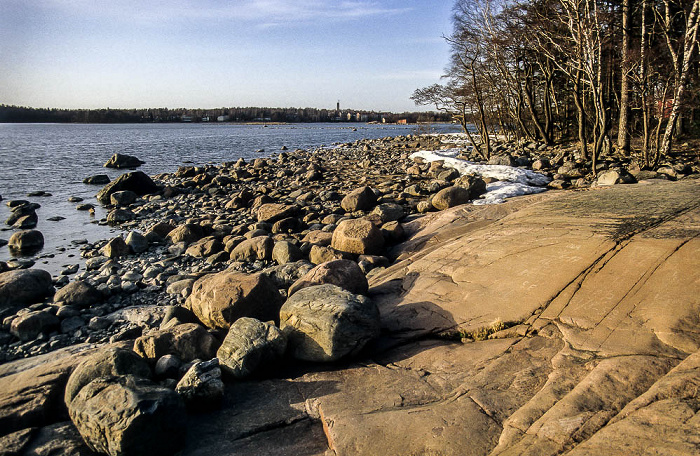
(222, 119)
(205, 119)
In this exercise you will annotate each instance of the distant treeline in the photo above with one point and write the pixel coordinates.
(21, 114)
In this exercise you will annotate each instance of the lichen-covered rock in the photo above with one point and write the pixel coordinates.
(286, 252)
(125, 415)
(109, 361)
(220, 299)
(344, 273)
(357, 236)
(325, 323)
(250, 344)
(187, 341)
(25, 286)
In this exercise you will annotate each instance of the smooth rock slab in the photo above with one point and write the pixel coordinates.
(122, 416)
(250, 344)
(325, 323)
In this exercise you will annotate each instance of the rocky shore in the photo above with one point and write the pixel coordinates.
(235, 286)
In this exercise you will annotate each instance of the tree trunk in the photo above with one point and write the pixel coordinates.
(623, 137)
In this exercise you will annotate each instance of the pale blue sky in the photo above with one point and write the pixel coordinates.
(209, 53)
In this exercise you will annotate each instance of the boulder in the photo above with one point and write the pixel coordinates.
(450, 197)
(286, 274)
(250, 344)
(187, 233)
(325, 323)
(137, 242)
(123, 198)
(25, 286)
(137, 181)
(257, 248)
(357, 236)
(205, 247)
(472, 182)
(120, 161)
(285, 252)
(29, 325)
(98, 179)
(117, 216)
(126, 415)
(115, 248)
(272, 212)
(201, 387)
(108, 361)
(320, 254)
(344, 273)
(26, 241)
(220, 299)
(389, 212)
(79, 293)
(26, 222)
(187, 341)
(360, 199)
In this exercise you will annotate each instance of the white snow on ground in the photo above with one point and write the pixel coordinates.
(511, 181)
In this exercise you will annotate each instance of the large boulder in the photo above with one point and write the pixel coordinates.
(109, 361)
(126, 415)
(79, 293)
(120, 161)
(450, 197)
(250, 344)
(187, 341)
(358, 236)
(26, 241)
(344, 273)
(325, 323)
(360, 199)
(136, 181)
(25, 286)
(257, 248)
(98, 179)
(220, 299)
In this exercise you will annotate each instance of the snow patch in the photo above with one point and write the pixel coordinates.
(511, 181)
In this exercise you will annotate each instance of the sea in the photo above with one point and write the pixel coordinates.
(55, 158)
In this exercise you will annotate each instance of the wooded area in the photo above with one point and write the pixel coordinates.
(248, 114)
(609, 74)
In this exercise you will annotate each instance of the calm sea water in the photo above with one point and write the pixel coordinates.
(57, 157)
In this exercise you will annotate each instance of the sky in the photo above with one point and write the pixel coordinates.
(370, 55)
